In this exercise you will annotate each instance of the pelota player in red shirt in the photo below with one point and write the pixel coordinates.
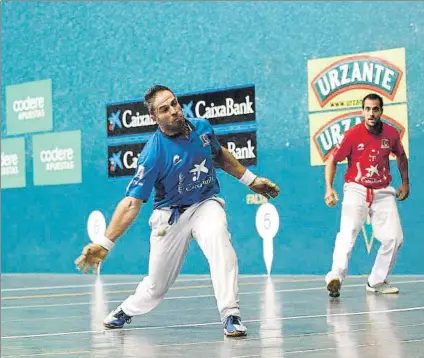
(367, 147)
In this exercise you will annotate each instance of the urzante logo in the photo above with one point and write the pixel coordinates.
(221, 106)
(331, 133)
(122, 159)
(357, 72)
(241, 145)
(128, 118)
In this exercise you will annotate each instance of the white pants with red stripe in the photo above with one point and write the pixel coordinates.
(207, 223)
(386, 228)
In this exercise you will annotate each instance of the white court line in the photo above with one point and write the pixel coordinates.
(278, 280)
(409, 309)
(197, 296)
(257, 338)
(291, 336)
(89, 285)
(249, 356)
(313, 350)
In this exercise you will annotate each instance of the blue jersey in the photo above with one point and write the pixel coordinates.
(181, 170)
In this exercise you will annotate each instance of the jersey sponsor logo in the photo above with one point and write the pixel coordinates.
(122, 160)
(385, 143)
(331, 133)
(177, 159)
(198, 169)
(205, 140)
(221, 106)
(140, 172)
(373, 154)
(371, 170)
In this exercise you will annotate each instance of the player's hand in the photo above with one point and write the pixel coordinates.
(403, 192)
(331, 198)
(265, 187)
(91, 256)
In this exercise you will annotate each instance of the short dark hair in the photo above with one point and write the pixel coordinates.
(373, 96)
(150, 95)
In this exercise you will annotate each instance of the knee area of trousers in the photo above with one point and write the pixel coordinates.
(154, 290)
(347, 237)
(220, 230)
(393, 241)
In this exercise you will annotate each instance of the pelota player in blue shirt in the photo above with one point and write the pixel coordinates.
(179, 162)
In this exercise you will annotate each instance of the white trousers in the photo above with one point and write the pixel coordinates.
(207, 223)
(386, 228)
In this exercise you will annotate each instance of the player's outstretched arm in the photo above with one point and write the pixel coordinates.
(402, 163)
(330, 196)
(227, 162)
(94, 253)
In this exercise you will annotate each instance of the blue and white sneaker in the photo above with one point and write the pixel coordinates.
(116, 319)
(233, 327)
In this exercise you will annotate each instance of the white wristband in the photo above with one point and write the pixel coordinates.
(247, 178)
(104, 242)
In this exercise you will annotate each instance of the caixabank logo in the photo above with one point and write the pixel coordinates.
(242, 145)
(327, 129)
(122, 159)
(221, 106)
(342, 81)
(127, 118)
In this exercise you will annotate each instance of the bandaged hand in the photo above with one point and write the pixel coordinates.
(331, 198)
(265, 187)
(91, 256)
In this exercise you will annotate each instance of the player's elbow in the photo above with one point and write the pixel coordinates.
(330, 162)
(131, 205)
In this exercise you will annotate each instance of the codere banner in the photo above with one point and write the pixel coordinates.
(326, 129)
(342, 81)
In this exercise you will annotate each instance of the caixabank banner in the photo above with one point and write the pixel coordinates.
(242, 145)
(122, 159)
(221, 106)
(228, 106)
(127, 118)
(342, 81)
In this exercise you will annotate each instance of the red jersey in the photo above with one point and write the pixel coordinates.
(368, 155)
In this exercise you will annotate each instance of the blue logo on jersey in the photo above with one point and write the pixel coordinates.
(114, 120)
(187, 110)
(115, 161)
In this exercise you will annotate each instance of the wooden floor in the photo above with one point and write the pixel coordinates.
(286, 316)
